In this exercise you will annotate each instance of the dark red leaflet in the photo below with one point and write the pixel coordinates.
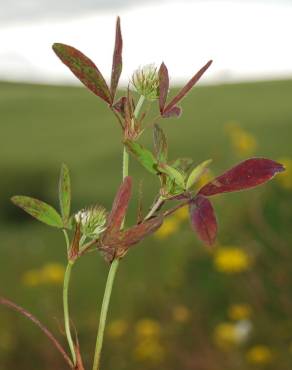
(119, 207)
(187, 87)
(203, 219)
(117, 60)
(163, 86)
(173, 112)
(247, 174)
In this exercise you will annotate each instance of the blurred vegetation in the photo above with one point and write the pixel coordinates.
(175, 304)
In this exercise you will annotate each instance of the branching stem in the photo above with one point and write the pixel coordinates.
(44, 329)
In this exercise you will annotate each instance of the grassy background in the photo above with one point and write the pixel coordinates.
(43, 126)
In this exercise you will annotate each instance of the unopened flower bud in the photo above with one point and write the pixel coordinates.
(92, 221)
(146, 81)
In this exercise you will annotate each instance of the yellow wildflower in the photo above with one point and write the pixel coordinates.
(259, 354)
(117, 328)
(285, 178)
(52, 273)
(181, 314)
(239, 311)
(231, 260)
(182, 214)
(227, 335)
(149, 350)
(169, 227)
(243, 142)
(146, 328)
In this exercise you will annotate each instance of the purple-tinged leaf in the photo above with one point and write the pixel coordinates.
(84, 69)
(160, 143)
(245, 175)
(172, 112)
(119, 208)
(65, 194)
(203, 219)
(39, 210)
(187, 88)
(117, 59)
(119, 106)
(125, 239)
(163, 86)
(74, 247)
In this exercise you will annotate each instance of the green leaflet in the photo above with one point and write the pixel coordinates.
(182, 164)
(197, 172)
(65, 194)
(173, 174)
(144, 156)
(160, 144)
(39, 210)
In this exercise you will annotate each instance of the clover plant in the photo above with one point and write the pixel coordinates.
(96, 229)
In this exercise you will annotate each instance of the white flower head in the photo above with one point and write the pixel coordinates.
(146, 81)
(92, 221)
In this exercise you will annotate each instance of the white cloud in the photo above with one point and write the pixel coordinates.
(246, 40)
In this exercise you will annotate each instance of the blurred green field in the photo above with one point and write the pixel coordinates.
(43, 126)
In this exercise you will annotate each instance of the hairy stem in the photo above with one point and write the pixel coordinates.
(66, 310)
(22, 311)
(155, 207)
(113, 267)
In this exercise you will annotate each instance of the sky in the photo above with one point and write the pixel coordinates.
(248, 40)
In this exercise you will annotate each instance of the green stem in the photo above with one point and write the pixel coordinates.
(139, 106)
(156, 205)
(125, 163)
(66, 310)
(103, 313)
(66, 239)
(113, 267)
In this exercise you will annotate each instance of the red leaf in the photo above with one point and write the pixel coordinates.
(119, 207)
(187, 87)
(119, 105)
(117, 59)
(173, 112)
(247, 174)
(163, 86)
(84, 69)
(121, 241)
(203, 219)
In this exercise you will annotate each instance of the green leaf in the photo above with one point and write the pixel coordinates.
(144, 156)
(65, 193)
(197, 173)
(182, 164)
(173, 174)
(160, 143)
(39, 210)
